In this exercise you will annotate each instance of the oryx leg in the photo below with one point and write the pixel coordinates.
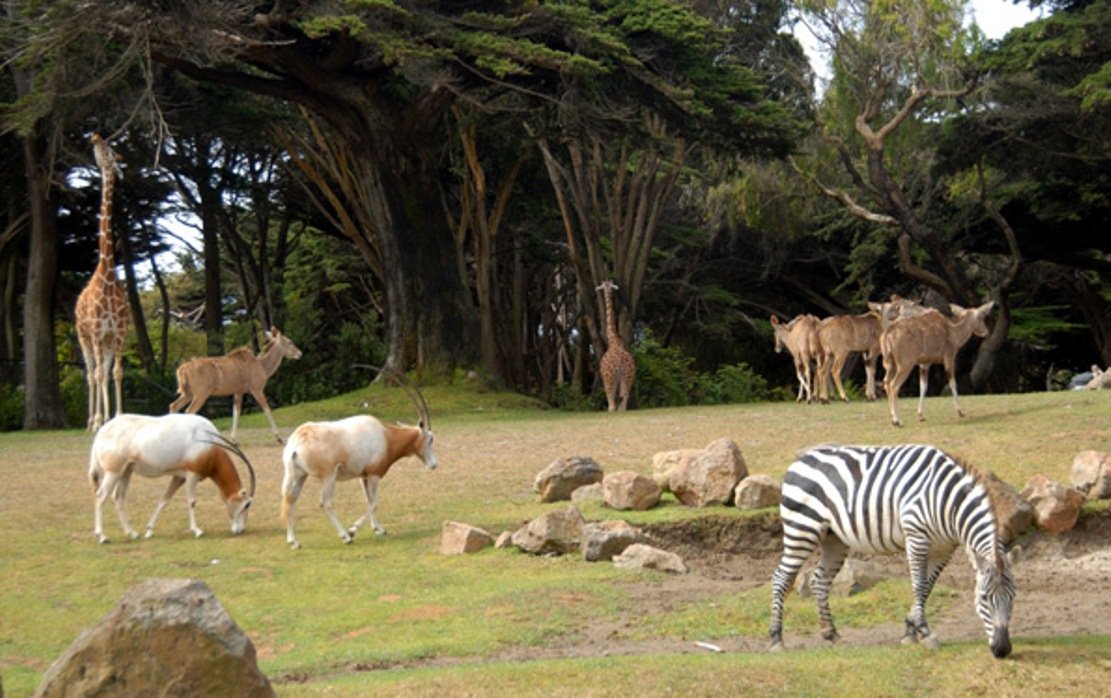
(370, 490)
(175, 484)
(107, 487)
(327, 494)
(120, 499)
(292, 484)
(191, 499)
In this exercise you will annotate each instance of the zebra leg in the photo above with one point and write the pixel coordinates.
(834, 553)
(924, 571)
(797, 546)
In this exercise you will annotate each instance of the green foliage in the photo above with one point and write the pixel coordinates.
(666, 377)
(11, 407)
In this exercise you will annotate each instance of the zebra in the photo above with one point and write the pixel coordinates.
(883, 499)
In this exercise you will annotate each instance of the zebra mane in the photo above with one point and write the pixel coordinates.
(989, 483)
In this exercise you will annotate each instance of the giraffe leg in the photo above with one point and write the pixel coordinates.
(117, 375)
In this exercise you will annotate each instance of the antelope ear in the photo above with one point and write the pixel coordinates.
(956, 310)
(986, 307)
(775, 320)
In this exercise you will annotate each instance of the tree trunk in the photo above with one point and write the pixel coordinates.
(431, 323)
(986, 355)
(42, 398)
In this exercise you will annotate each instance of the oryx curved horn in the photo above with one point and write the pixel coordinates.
(229, 445)
(414, 393)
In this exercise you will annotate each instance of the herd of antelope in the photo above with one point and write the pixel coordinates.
(188, 448)
(906, 334)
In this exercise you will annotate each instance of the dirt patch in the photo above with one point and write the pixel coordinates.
(1062, 581)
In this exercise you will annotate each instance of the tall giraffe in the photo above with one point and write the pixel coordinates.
(102, 311)
(618, 368)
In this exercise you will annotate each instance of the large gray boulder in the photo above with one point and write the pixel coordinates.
(708, 477)
(1056, 506)
(554, 533)
(757, 492)
(564, 475)
(1091, 474)
(166, 637)
(625, 490)
(602, 540)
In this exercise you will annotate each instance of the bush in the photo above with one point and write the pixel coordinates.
(11, 407)
(665, 376)
(734, 384)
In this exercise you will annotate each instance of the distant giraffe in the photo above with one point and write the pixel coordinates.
(102, 311)
(618, 368)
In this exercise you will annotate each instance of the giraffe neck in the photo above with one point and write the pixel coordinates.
(612, 337)
(107, 252)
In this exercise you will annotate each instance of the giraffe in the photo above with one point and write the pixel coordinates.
(617, 367)
(102, 311)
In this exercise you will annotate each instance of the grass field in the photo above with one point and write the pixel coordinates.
(390, 614)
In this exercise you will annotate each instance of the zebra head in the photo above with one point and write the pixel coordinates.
(995, 596)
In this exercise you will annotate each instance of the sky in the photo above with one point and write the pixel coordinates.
(995, 17)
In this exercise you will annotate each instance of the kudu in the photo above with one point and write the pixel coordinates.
(800, 338)
(236, 373)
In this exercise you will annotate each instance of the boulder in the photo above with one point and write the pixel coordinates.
(709, 476)
(1056, 506)
(641, 556)
(165, 636)
(1091, 474)
(504, 540)
(588, 493)
(554, 533)
(854, 577)
(602, 540)
(628, 490)
(757, 492)
(1014, 514)
(664, 461)
(564, 475)
(459, 538)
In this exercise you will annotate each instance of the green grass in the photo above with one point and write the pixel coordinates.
(427, 622)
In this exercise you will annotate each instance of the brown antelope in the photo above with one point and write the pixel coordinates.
(800, 338)
(355, 447)
(1100, 379)
(922, 341)
(186, 447)
(236, 373)
(898, 308)
(842, 335)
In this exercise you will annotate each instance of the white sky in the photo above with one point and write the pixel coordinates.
(995, 18)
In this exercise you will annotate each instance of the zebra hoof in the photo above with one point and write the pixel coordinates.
(776, 647)
(909, 639)
(931, 642)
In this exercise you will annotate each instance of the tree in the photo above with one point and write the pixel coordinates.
(1042, 130)
(899, 70)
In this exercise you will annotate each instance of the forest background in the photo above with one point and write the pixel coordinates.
(441, 187)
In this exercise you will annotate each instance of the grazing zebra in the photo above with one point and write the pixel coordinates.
(885, 499)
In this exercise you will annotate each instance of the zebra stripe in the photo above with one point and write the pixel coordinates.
(885, 499)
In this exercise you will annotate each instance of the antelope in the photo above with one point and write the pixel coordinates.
(1100, 379)
(356, 447)
(186, 447)
(800, 338)
(928, 339)
(898, 308)
(842, 335)
(236, 373)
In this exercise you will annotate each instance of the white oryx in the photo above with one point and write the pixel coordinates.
(186, 447)
(355, 447)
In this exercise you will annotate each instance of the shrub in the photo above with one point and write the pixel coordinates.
(665, 376)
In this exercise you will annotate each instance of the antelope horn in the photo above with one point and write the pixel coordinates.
(414, 393)
(229, 445)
